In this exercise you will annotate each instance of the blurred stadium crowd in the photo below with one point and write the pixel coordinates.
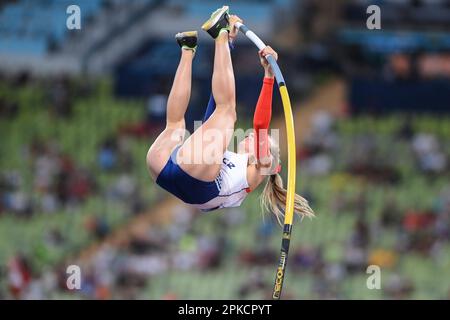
(78, 113)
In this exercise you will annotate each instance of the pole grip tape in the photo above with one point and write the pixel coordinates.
(261, 45)
(276, 70)
(242, 27)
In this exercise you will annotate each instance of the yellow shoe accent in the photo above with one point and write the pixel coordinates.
(190, 33)
(213, 19)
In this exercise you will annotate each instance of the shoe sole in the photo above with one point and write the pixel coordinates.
(186, 34)
(213, 20)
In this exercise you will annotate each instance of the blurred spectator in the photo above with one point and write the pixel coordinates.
(253, 284)
(107, 155)
(97, 226)
(19, 275)
(60, 97)
(428, 153)
(307, 258)
(399, 287)
(382, 258)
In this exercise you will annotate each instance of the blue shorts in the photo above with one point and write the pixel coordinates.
(188, 189)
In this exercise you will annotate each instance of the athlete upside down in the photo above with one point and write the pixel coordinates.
(225, 178)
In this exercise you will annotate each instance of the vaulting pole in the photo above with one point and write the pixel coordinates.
(289, 213)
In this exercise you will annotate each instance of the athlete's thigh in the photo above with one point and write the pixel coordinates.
(201, 155)
(162, 148)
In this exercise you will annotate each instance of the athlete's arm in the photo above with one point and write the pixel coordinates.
(263, 111)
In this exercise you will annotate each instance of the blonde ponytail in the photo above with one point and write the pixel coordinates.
(273, 199)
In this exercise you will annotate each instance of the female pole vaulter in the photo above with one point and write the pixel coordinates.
(200, 171)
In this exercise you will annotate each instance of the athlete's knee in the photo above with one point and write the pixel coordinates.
(150, 160)
(229, 96)
(153, 154)
(231, 115)
(228, 111)
(175, 125)
(175, 131)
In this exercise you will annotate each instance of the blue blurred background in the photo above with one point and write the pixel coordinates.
(79, 109)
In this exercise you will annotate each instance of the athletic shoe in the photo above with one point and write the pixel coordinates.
(217, 22)
(187, 40)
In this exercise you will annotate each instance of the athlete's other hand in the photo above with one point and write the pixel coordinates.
(262, 57)
(233, 30)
